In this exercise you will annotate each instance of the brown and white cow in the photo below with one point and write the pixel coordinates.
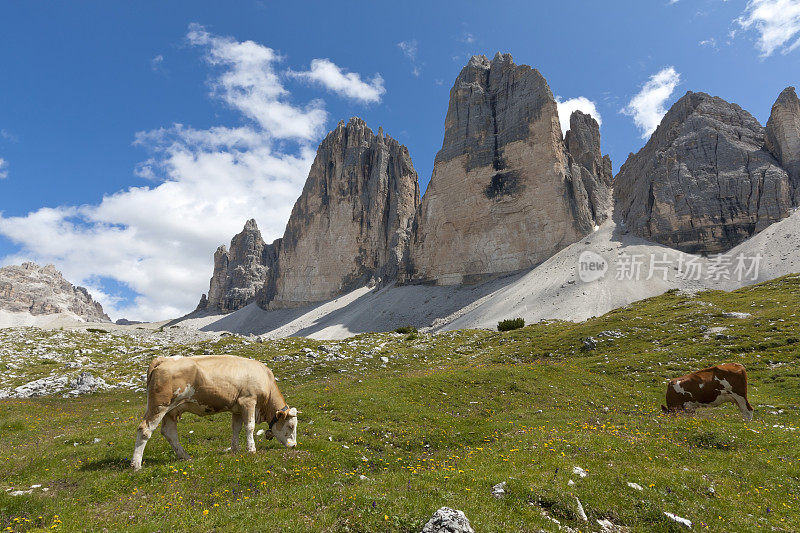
(209, 384)
(710, 387)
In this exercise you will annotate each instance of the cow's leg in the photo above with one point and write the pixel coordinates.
(169, 428)
(144, 432)
(249, 416)
(744, 406)
(237, 428)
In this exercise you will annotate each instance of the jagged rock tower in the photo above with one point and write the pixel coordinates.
(783, 137)
(503, 195)
(352, 221)
(240, 273)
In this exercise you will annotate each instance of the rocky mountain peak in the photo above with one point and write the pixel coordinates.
(240, 272)
(42, 290)
(704, 181)
(783, 136)
(591, 171)
(503, 196)
(351, 223)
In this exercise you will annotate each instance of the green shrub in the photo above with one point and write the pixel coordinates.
(511, 323)
(96, 330)
(406, 329)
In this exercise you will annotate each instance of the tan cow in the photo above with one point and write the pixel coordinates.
(209, 384)
(710, 387)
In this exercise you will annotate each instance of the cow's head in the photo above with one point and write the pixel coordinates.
(285, 427)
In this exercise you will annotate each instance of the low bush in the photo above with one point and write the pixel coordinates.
(511, 323)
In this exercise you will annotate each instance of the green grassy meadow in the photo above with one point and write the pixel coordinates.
(383, 444)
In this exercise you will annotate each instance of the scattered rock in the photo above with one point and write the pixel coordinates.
(581, 513)
(499, 490)
(86, 383)
(607, 526)
(447, 520)
(635, 486)
(578, 471)
(736, 315)
(678, 519)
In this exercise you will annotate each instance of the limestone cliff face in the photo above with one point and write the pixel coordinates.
(351, 223)
(704, 181)
(590, 170)
(783, 137)
(241, 272)
(502, 196)
(30, 288)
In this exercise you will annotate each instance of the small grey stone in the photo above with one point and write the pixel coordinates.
(447, 520)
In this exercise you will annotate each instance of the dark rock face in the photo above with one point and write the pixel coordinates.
(504, 195)
(351, 224)
(704, 181)
(783, 137)
(240, 272)
(30, 288)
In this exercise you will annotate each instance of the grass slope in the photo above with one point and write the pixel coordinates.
(384, 444)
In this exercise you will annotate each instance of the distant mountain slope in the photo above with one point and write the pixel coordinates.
(31, 295)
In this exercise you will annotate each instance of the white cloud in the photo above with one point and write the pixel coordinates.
(156, 62)
(581, 103)
(409, 49)
(647, 107)
(711, 42)
(3, 169)
(250, 85)
(467, 38)
(159, 239)
(349, 85)
(777, 23)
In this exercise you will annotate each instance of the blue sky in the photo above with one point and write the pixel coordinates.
(136, 137)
